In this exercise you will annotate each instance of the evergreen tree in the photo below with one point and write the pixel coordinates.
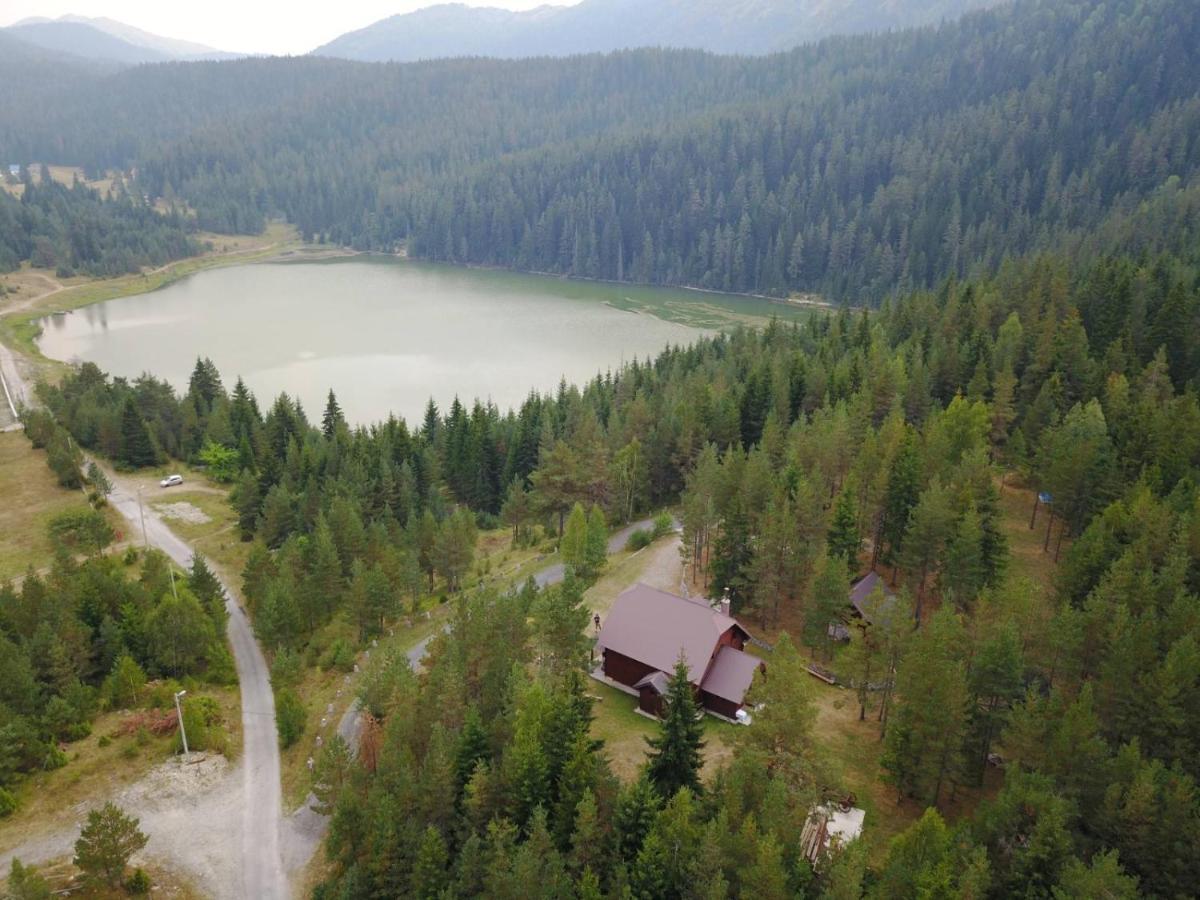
(963, 571)
(107, 840)
(675, 758)
(924, 740)
(137, 447)
(903, 492)
(828, 601)
(843, 538)
(332, 420)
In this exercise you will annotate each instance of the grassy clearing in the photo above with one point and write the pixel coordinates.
(624, 732)
(32, 498)
(63, 175)
(1025, 544)
(505, 565)
(63, 879)
(98, 767)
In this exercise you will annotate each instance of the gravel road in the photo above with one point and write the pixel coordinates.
(259, 871)
(554, 574)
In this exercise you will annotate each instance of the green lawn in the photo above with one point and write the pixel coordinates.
(31, 498)
(624, 732)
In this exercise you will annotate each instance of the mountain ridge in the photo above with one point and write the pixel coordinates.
(107, 40)
(751, 27)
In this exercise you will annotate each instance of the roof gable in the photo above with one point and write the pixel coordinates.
(861, 593)
(731, 674)
(653, 627)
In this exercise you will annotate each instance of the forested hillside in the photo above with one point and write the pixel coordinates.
(800, 454)
(853, 168)
(76, 230)
(722, 26)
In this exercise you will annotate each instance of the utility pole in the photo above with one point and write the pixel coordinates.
(182, 730)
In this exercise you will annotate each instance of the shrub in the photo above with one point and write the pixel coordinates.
(286, 668)
(55, 759)
(24, 883)
(138, 883)
(340, 656)
(202, 722)
(664, 524)
(290, 716)
(8, 803)
(161, 694)
(83, 530)
(130, 557)
(639, 539)
(104, 741)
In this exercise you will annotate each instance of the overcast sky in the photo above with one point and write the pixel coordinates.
(247, 26)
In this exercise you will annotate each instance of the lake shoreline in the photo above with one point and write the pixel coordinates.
(387, 336)
(803, 302)
(21, 328)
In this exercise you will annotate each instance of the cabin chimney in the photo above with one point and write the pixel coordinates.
(726, 605)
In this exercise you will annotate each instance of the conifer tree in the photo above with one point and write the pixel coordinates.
(637, 807)
(963, 570)
(473, 747)
(675, 760)
(430, 869)
(828, 601)
(332, 419)
(844, 539)
(596, 546)
(925, 738)
(105, 844)
(137, 447)
(903, 492)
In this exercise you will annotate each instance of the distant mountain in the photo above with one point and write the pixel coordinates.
(108, 40)
(723, 26)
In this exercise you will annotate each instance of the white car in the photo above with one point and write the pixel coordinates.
(171, 481)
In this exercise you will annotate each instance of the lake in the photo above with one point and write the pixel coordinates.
(387, 334)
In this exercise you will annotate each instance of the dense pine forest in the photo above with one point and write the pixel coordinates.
(800, 455)
(76, 230)
(1016, 193)
(855, 168)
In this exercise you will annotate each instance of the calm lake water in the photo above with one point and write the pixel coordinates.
(388, 334)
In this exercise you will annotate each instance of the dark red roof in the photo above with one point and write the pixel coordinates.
(731, 674)
(654, 627)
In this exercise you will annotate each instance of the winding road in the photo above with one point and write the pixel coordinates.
(262, 802)
(263, 839)
(262, 873)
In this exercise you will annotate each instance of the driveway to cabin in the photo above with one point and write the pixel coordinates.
(556, 573)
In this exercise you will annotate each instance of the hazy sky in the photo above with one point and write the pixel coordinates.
(249, 26)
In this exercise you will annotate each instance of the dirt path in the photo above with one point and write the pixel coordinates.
(616, 543)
